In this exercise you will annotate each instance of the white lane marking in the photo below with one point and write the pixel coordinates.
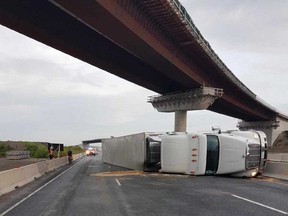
(265, 206)
(18, 203)
(117, 182)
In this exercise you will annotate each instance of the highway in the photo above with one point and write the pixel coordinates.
(90, 187)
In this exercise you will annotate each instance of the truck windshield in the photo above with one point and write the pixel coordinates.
(212, 154)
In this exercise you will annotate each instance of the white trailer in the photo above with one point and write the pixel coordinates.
(137, 151)
(240, 153)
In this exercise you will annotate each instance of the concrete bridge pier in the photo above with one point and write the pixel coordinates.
(180, 103)
(272, 128)
(180, 121)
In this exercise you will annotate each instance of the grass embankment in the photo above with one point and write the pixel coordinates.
(37, 150)
(74, 149)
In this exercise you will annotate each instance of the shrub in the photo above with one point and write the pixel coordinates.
(37, 150)
(3, 149)
(74, 149)
(41, 153)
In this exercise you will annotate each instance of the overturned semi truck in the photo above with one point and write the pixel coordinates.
(237, 153)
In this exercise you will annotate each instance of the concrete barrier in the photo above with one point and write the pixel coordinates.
(11, 179)
(276, 170)
(43, 167)
(280, 157)
(14, 178)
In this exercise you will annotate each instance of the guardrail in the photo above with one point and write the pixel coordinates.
(14, 178)
(185, 17)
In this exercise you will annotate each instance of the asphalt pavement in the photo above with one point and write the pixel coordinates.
(90, 187)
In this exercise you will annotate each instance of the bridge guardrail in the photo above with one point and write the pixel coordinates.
(185, 18)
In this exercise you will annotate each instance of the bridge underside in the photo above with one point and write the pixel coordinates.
(113, 36)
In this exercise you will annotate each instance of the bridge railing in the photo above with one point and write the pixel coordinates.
(185, 17)
(188, 94)
(271, 107)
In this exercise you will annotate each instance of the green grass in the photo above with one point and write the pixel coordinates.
(36, 150)
(41, 151)
(74, 149)
(3, 149)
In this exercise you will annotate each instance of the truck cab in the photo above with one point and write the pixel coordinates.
(239, 153)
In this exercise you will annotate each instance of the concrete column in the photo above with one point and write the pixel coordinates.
(180, 121)
(195, 99)
(272, 128)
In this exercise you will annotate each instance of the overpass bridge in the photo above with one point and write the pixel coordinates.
(154, 44)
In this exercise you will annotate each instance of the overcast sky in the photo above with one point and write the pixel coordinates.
(46, 95)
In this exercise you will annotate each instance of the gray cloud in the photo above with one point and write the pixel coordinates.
(250, 38)
(253, 26)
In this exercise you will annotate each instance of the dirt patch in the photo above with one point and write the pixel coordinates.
(135, 173)
(281, 144)
(118, 173)
(6, 164)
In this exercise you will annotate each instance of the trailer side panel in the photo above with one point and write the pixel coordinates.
(126, 151)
